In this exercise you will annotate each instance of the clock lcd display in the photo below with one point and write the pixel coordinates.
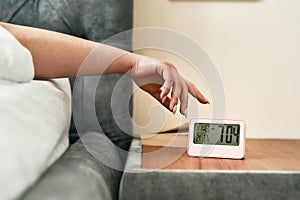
(217, 134)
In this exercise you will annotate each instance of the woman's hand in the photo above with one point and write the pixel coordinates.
(160, 78)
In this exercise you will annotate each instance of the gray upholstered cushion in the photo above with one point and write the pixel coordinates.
(79, 174)
(91, 19)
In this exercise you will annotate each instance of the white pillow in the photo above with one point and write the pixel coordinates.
(35, 119)
(16, 62)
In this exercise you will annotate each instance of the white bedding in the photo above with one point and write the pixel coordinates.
(34, 120)
(15, 61)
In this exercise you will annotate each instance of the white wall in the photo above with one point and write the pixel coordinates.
(256, 48)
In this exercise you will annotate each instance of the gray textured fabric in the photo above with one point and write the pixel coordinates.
(138, 183)
(95, 20)
(78, 175)
(169, 185)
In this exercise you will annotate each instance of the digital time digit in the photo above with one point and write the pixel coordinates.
(232, 134)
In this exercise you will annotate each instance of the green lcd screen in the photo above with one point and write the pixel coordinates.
(217, 134)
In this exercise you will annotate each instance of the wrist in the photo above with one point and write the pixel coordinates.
(126, 62)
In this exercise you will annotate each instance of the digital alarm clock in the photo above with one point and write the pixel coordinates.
(217, 138)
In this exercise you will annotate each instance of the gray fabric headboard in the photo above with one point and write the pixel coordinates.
(95, 20)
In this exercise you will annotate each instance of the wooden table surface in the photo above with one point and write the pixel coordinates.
(261, 155)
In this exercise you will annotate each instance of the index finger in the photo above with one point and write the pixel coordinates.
(196, 93)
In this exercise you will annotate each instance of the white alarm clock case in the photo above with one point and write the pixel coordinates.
(217, 138)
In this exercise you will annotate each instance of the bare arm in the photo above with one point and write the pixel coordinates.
(57, 55)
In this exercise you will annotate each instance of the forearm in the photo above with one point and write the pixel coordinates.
(57, 55)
